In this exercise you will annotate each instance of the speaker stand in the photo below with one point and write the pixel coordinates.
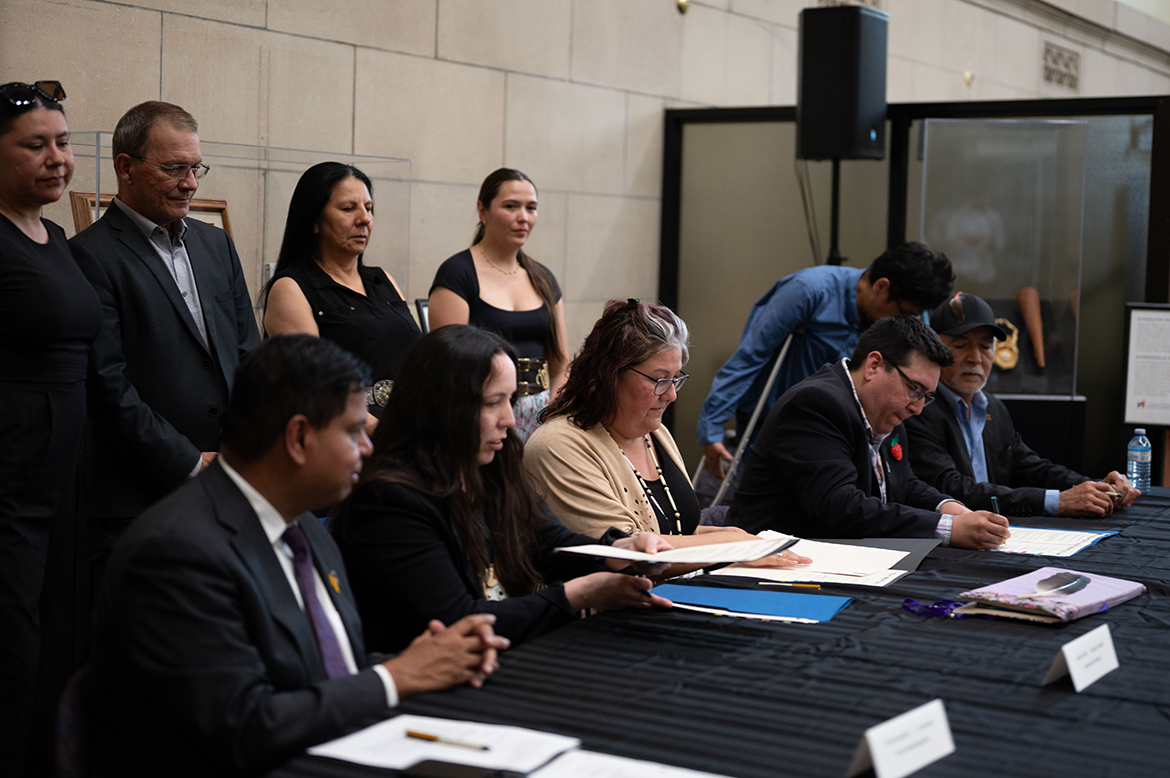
(835, 257)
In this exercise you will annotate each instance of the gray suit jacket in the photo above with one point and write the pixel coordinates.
(156, 391)
(203, 663)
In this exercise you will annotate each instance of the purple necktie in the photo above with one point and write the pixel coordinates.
(331, 655)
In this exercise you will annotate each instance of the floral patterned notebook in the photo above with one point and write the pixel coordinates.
(1050, 594)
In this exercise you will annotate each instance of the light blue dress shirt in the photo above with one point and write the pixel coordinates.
(820, 304)
(972, 425)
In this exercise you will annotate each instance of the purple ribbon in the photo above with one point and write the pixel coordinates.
(941, 608)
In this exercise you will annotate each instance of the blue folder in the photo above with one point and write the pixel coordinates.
(818, 607)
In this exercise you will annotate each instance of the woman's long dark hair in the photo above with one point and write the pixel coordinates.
(313, 192)
(428, 439)
(628, 333)
(542, 282)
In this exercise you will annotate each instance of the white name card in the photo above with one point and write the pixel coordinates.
(1086, 659)
(905, 744)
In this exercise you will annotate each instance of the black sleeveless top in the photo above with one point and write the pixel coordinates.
(377, 328)
(527, 331)
(49, 314)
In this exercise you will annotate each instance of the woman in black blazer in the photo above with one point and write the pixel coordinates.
(49, 314)
(443, 523)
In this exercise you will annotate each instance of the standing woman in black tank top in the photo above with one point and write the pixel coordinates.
(49, 314)
(496, 286)
(321, 286)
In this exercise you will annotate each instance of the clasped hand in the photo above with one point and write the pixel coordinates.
(441, 657)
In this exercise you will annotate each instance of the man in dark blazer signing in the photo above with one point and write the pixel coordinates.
(226, 638)
(831, 460)
(967, 445)
(177, 316)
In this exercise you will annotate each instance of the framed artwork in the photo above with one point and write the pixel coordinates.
(214, 212)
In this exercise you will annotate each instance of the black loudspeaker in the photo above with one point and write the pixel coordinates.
(841, 83)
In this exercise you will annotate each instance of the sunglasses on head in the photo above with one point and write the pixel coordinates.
(20, 95)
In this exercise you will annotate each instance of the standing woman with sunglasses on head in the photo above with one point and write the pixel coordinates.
(495, 285)
(49, 314)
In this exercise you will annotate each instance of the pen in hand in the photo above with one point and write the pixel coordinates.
(995, 504)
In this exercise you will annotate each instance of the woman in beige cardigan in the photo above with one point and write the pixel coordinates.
(601, 458)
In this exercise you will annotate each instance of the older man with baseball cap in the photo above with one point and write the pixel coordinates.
(965, 445)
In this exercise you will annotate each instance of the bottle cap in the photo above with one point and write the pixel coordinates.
(1139, 431)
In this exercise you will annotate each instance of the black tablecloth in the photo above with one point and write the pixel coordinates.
(746, 698)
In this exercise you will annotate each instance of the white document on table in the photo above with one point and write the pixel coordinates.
(742, 615)
(1050, 542)
(386, 745)
(839, 559)
(836, 558)
(587, 764)
(710, 554)
(787, 575)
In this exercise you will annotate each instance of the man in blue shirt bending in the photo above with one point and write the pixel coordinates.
(826, 308)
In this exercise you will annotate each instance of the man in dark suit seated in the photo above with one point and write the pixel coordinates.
(177, 317)
(227, 638)
(967, 446)
(831, 460)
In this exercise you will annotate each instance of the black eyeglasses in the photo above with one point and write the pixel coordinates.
(179, 172)
(917, 390)
(661, 385)
(908, 314)
(20, 95)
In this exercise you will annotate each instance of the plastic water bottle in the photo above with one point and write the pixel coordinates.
(1137, 461)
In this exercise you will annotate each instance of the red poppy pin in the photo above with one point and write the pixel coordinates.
(896, 448)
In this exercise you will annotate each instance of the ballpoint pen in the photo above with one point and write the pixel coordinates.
(445, 740)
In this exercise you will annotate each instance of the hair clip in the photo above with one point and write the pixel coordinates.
(631, 303)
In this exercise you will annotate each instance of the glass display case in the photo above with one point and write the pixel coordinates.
(248, 190)
(1003, 199)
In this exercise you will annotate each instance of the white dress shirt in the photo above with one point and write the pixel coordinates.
(274, 526)
(173, 253)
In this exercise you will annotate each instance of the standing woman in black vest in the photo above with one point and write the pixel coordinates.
(49, 314)
(321, 287)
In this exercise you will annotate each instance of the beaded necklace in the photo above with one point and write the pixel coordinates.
(665, 486)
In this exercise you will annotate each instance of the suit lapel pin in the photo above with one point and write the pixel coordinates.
(896, 448)
(334, 581)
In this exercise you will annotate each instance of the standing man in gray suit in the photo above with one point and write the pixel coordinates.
(177, 317)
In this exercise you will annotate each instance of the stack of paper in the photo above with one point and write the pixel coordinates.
(709, 554)
(387, 745)
(831, 563)
(1049, 542)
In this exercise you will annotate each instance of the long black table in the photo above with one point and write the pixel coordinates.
(747, 698)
